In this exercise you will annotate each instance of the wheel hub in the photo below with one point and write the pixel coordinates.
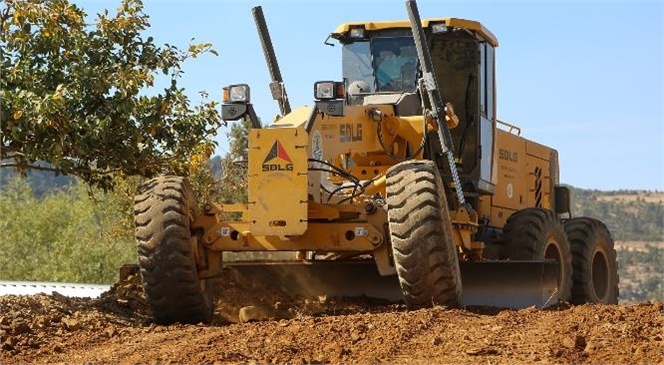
(600, 274)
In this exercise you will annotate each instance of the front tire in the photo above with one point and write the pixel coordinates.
(595, 278)
(420, 230)
(536, 234)
(163, 211)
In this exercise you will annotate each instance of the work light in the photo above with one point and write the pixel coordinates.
(324, 90)
(236, 94)
(357, 32)
(438, 28)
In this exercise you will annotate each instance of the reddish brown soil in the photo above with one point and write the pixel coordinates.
(116, 328)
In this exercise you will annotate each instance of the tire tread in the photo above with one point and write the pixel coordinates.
(167, 266)
(422, 246)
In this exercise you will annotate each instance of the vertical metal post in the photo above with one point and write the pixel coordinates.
(435, 98)
(271, 58)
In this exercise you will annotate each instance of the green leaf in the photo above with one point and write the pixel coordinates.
(91, 97)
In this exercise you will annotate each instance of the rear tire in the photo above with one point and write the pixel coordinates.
(536, 234)
(420, 230)
(163, 210)
(595, 277)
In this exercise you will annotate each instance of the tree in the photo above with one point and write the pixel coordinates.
(234, 164)
(224, 179)
(82, 97)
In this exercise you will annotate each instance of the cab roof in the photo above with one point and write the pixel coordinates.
(342, 30)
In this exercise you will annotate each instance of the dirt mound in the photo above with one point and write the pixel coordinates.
(239, 299)
(116, 328)
(31, 323)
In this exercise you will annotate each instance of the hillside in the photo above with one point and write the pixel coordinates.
(636, 221)
(41, 182)
(631, 215)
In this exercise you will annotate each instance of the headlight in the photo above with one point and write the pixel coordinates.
(236, 94)
(438, 28)
(329, 90)
(324, 90)
(357, 32)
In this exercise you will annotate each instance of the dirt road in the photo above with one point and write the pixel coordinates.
(116, 328)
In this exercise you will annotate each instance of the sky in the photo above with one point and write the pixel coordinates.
(585, 78)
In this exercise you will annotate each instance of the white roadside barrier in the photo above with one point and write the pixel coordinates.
(66, 289)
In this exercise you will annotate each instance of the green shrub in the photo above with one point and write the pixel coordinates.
(66, 235)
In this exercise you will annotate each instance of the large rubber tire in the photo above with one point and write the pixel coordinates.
(536, 234)
(163, 210)
(595, 276)
(420, 231)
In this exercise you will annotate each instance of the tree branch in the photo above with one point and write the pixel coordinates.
(73, 171)
(7, 152)
(31, 167)
(4, 16)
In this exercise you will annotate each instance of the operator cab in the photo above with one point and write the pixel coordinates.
(380, 59)
(386, 62)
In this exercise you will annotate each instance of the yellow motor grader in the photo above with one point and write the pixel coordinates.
(399, 182)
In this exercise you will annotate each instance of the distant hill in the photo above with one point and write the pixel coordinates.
(41, 181)
(636, 221)
(631, 215)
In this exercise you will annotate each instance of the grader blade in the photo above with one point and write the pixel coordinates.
(504, 284)
(353, 278)
(510, 284)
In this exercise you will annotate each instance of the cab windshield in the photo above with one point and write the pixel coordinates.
(385, 64)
